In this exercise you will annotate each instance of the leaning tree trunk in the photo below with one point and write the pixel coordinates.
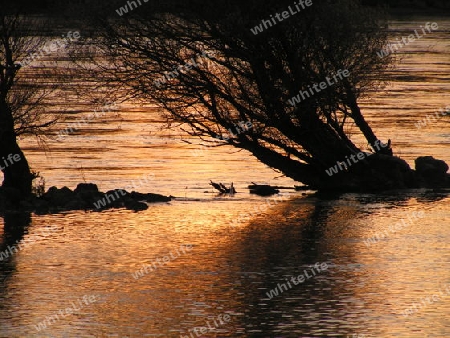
(14, 165)
(362, 124)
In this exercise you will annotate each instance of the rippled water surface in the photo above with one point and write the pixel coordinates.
(221, 262)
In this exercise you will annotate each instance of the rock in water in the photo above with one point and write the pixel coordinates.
(431, 172)
(263, 190)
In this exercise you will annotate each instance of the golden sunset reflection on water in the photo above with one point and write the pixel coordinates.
(233, 265)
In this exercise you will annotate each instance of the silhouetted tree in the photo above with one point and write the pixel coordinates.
(210, 68)
(22, 100)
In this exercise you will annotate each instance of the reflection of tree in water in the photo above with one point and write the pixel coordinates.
(294, 236)
(15, 227)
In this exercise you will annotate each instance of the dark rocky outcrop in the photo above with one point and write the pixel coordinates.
(86, 196)
(389, 172)
(379, 172)
(431, 173)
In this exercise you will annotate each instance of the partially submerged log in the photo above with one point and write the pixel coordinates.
(263, 189)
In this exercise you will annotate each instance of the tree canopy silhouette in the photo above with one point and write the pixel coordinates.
(297, 79)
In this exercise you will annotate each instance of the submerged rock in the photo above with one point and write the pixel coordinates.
(87, 190)
(135, 205)
(58, 197)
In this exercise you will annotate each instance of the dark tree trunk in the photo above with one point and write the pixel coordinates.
(14, 165)
(362, 124)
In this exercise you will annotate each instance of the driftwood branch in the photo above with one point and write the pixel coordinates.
(222, 188)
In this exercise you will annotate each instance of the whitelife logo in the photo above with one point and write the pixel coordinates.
(110, 198)
(433, 117)
(147, 268)
(297, 280)
(82, 303)
(10, 160)
(182, 69)
(304, 94)
(414, 216)
(198, 331)
(344, 165)
(25, 243)
(52, 47)
(405, 41)
(265, 24)
(245, 127)
(124, 10)
(425, 301)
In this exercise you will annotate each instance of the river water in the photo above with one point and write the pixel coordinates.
(216, 266)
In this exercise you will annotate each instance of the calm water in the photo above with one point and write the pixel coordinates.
(213, 267)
